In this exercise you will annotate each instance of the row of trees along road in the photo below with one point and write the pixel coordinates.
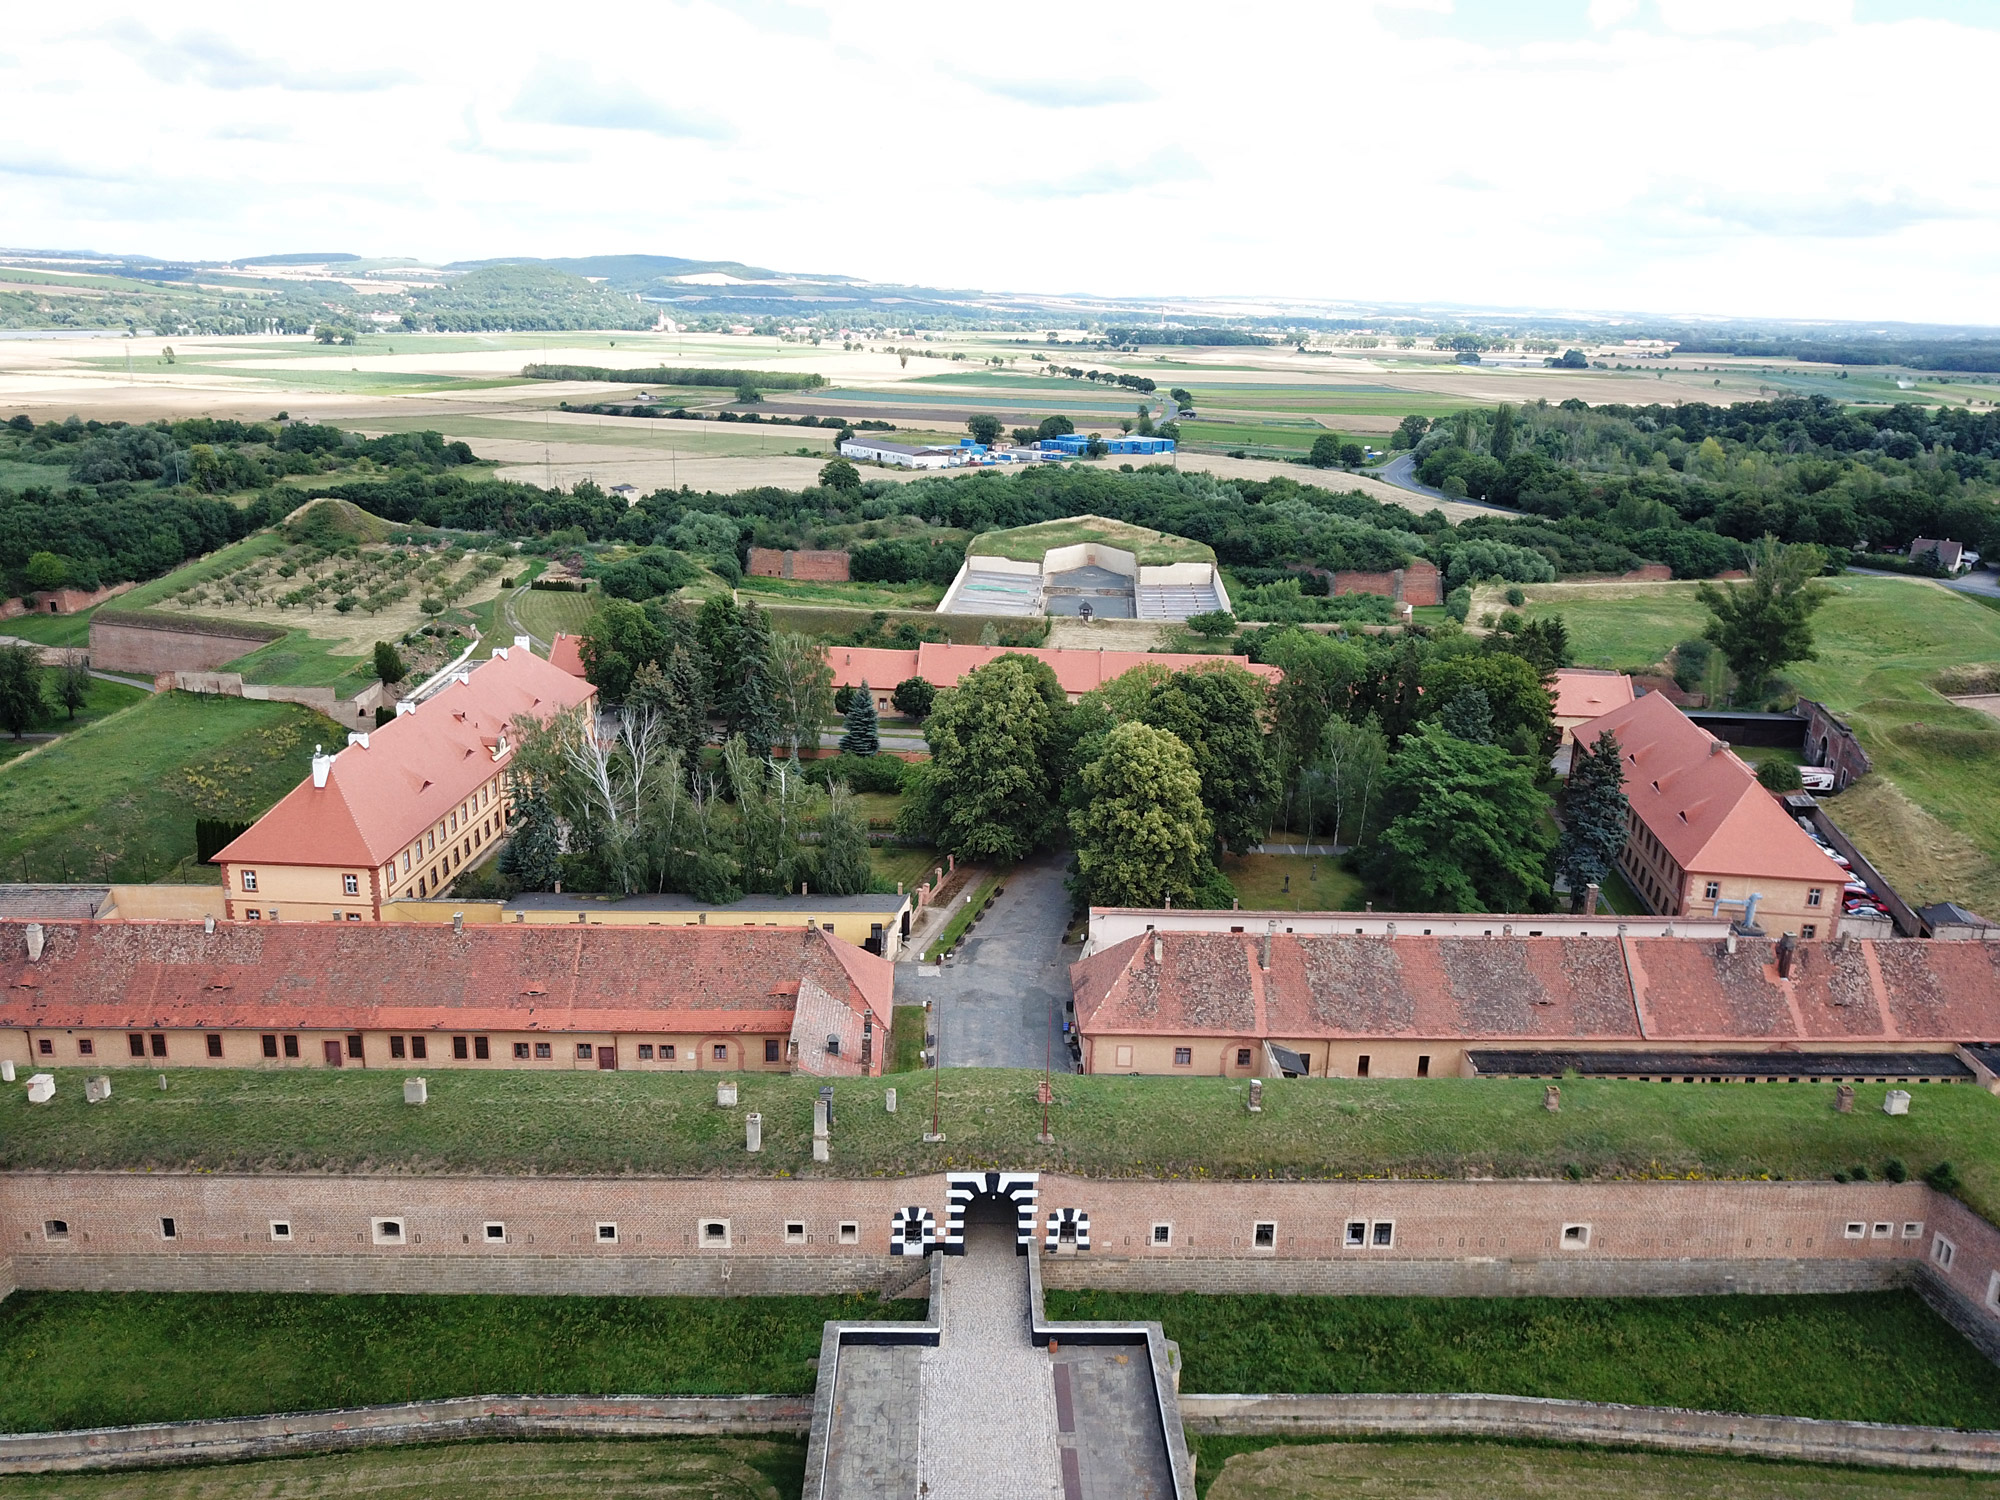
(1428, 754)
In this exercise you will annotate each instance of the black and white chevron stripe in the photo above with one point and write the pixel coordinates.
(962, 1187)
(912, 1231)
(1079, 1221)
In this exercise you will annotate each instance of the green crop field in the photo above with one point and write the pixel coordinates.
(118, 799)
(96, 1359)
(769, 1468)
(1927, 817)
(1271, 1469)
(1855, 1356)
(216, 1119)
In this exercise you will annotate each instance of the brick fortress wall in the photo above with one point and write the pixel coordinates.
(808, 567)
(118, 646)
(1444, 1238)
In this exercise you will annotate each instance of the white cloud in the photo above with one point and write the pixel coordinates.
(1707, 17)
(569, 95)
(1056, 93)
(1605, 13)
(213, 61)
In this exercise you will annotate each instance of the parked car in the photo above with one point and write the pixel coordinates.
(1816, 778)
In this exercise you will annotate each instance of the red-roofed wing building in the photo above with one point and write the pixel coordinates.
(399, 811)
(943, 665)
(1587, 693)
(1705, 837)
(106, 994)
(566, 651)
(1261, 1003)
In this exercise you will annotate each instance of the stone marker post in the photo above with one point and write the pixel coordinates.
(820, 1122)
(1256, 1096)
(416, 1091)
(1897, 1102)
(7, 1071)
(41, 1088)
(725, 1095)
(1843, 1099)
(753, 1132)
(889, 1101)
(821, 1151)
(96, 1090)
(1552, 1099)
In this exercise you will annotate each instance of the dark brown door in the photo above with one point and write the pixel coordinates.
(607, 1056)
(332, 1054)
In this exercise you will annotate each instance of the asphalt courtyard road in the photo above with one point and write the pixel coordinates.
(993, 1005)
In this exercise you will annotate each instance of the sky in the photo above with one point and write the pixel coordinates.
(1748, 158)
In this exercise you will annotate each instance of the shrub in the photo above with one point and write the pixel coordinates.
(864, 773)
(1691, 659)
(1212, 624)
(1458, 603)
(1943, 1177)
(1894, 1170)
(914, 697)
(1516, 598)
(1778, 776)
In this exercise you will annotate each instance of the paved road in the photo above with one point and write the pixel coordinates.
(992, 1005)
(1401, 472)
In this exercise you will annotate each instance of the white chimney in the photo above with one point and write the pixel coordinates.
(523, 643)
(358, 739)
(1159, 948)
(499, 653)
(322, 766)
(208, 925)
(34, 935)
(404, 706)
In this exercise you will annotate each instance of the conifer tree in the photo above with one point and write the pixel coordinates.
(1594, 816)
(861, 737)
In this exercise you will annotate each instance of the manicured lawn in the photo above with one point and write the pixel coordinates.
(1311, 1129)
(764, 1468)
(906, 1038)
(91, 1359)
(545, 612)
(105, 699)
(1857, 1356)
(858, 595)
(300, 659)
(909, 863)
(118, 799)
(52, 630)
(1271, 1469)
(1292, 882)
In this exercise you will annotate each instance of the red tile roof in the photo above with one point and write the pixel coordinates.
(418, 976)
(566, 651)
(943, 665)
(1587, 692)
(410, 772)
(1702, 802)
(1542, 989)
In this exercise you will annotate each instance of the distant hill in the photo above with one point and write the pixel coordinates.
(301, 258)
(626, 273)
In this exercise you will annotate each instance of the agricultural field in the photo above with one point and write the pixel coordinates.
(1268, 1469)
(117, 800)
(764, 1468)
(106, 1359)
(1318, 1129)
(1927, 816)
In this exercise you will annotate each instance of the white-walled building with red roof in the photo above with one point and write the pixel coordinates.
(399, 811)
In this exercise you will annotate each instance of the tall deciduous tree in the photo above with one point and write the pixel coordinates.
(22, 706)
(1594, 816)
(914, 697)
(842, 868)
(1142, 835)
(801, 690)
(1762, 625)
(72, 682)
(1500, 441)
(861, 736)
(1218, 714)
(1466, 828)
(984, 427)
(1344, 778)
(989, 791)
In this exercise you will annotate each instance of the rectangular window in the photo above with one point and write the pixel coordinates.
(159, 1045)
(1913, 1231)
(281, 1231)
(85, 1047)
(1163, 1234)
(1943, 1251)
(387, 1231)
(1124, 1056)
(1883, 1231)
(168, 1229)
(354, 916)
(770, 1050)
(406, 861)
(417, 1048)
(1242, 1057)
(1385, 1234)
(55, 1229)
(520, 1051)
(493, 1234)
(214, 1045)
(460, 1048)
(482, 1049)
(584, 1051)
(1264, 1235)
(1711, 891)
(1361, 1066)
(1576, 1237)
(1183, 1057)
(350, 885)
(1855, 1231)
(721, 1052)
(271, 1046)
(253, 914)
(667, 1052)
(1809, 931)
(46, 1047)
(1423, 1067)
(291, 1046)
(395, 1047)
(795, 1232)
(354, 1045)
(645, 1052)
(544, 1051)
(1813, 894)
(850, 1232)
(714, 1234)
(607, 1234)
(1357, 1234)
(249, 880)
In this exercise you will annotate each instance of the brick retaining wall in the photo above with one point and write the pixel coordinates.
(131, 647)
(1588, 1422)
(413, 1422)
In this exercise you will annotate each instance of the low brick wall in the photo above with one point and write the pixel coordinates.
(810, 567)
(1667, 1427)
(126, 645)
(414, 1422)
